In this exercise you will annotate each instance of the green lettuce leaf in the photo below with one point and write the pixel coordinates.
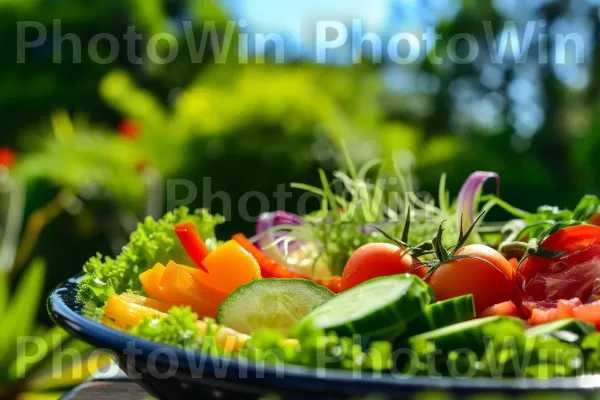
(151, 243)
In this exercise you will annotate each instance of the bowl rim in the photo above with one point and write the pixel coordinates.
(60, 307)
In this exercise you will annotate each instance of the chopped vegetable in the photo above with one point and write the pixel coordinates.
(276, 304)
(271, 269)
(441, 314)
(151, 281)
(230, 266)
(571, 325)
(181, 327)
(127, 314)
(506, 308)
(153, 242)
(180, 288)
(589, 312)
(192, 242)
(380, 308)
(544, 266)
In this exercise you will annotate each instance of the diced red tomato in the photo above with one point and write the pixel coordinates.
(565, 308)
(541, 316)
(507, 308)
(589, 312)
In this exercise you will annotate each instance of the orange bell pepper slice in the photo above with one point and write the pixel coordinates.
(229, 267)
(271, 269)
(127, 314)
(179, 287)
(151, 281)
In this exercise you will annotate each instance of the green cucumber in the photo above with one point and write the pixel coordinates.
(271, 303)
(442, 314)
(468, 334)
(576, 326)
(380, 308)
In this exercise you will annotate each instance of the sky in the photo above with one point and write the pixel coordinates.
(296, 19)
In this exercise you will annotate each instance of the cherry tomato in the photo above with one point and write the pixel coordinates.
(377, 259)
(490, 278)
(567, 276)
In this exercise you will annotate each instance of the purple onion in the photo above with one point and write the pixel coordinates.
(465, 206)
(269, 220)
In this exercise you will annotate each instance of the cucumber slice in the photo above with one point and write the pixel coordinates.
(271, 303)
(572, 325)
(441, 314)
(380, 307)
(468, 334)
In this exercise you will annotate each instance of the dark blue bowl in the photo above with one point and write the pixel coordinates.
(168, 372)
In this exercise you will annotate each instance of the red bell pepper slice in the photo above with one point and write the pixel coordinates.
(271, 269)
(192, 243)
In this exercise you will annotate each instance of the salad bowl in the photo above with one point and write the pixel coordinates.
(169, 372)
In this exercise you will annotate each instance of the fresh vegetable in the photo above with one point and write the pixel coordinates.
(474, 269)
(126, 313)
(442, 314)
(571, 271)
(230, 266)
(276, 304)
(381, 308)
(192, 242)
(566, 308)
(589, 312)
(468, 198)
(353, 205)
(271, 269)
(151, 281)
(469, 334)
(507, 308)
(311, 347)
(571, 325)
(541, 265)
(179, 287)
(374, 260)
(495, 347)
(561, 310)
(153, 242)
(181, 327)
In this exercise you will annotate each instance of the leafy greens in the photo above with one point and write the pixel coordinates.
(151, 243)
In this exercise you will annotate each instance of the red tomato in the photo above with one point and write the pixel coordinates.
(565, 308)
(543, 315)
(490, 281)
(567, 276)
(589, 312)
(374, 260)
(507, 308)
